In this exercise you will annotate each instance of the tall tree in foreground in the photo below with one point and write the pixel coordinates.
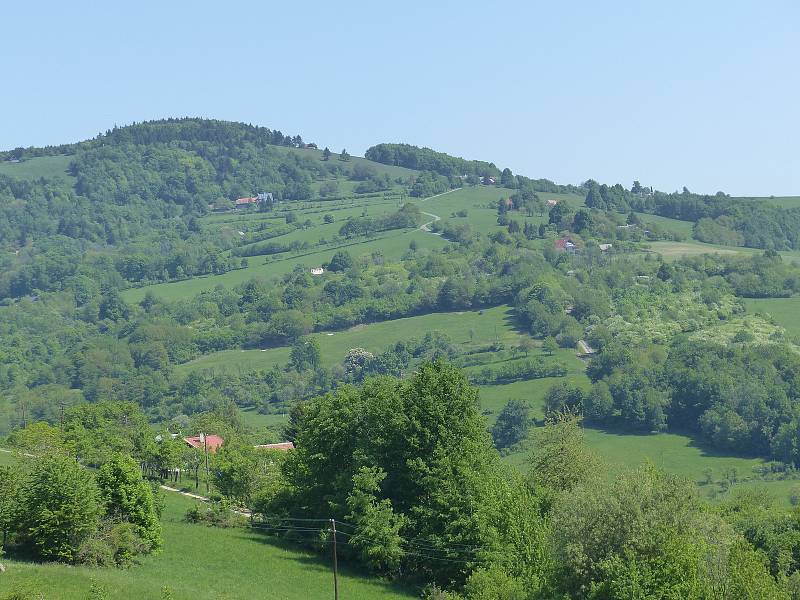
(409, 458)
(59, 508)
(127, 497)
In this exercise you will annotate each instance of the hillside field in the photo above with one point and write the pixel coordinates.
(41, 166)
(785, 311)
(204, 562)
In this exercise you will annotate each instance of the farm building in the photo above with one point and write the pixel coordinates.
(552, 202)
(566, 243)
(263, 198)
(317, 270)
(212, 442)
(605, 247)
(245, 202)
(282, 446)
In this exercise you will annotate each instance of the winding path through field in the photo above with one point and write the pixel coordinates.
(427, 226)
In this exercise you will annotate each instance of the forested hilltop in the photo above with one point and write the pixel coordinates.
(473, 366)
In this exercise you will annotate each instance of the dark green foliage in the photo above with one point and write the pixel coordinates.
(127, 497)
(426, 435)
(645, 536)
(408, 216)
(341, 261)
(512, 425)
(59, 508)
(425, 159)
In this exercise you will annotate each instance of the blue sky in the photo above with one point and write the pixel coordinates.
(703, 94)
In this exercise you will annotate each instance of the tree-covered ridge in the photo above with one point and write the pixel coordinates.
(457, 169)
(145, 185)
(718, 218)
(187, 129)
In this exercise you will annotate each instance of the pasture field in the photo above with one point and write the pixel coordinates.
(675, 454)
(204, 562)
(783, 201)
(41, 166)
(676, 250)
(785, 311)
(674, 225)
(493, 323)
(494, 397)
(392, 244)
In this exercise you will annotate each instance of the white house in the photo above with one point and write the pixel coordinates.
(317, 270)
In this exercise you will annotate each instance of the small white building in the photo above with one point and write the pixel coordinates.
(317, 270)
(605, 247)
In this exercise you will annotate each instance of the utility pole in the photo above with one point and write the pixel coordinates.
(335, 564)
(205, 448)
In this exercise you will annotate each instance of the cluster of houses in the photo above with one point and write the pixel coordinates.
(568, 244)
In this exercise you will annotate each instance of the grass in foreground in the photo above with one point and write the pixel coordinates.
(208, 563)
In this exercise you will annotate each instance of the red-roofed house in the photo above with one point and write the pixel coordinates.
(565, 243)
(283, 446)
(245, 202)
(213, 442)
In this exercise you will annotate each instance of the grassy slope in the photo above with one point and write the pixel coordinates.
(785, 311)
(375, 338)
(43, 166)
(393, 245)
(784, 201)
(209, 563)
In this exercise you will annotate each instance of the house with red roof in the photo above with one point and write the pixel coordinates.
(212, 442)
(565, 243)
(245, 202)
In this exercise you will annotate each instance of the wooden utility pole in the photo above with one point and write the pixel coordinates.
(335, 564)
(205, 448)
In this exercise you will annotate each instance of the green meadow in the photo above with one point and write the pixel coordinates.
(785, 311)
(487, 326)
(392, 245)
(783, 201)
(204, 562)
(34, 168)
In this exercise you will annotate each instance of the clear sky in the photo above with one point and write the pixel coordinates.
(704, 94)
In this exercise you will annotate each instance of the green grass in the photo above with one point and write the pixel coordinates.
(393, 245)
(208, 563)
(675, 250)
(785, 311)
(494, 397)
(784, 201)
(674, 225)
(34, 168)
(257, 421)
(375, 337)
